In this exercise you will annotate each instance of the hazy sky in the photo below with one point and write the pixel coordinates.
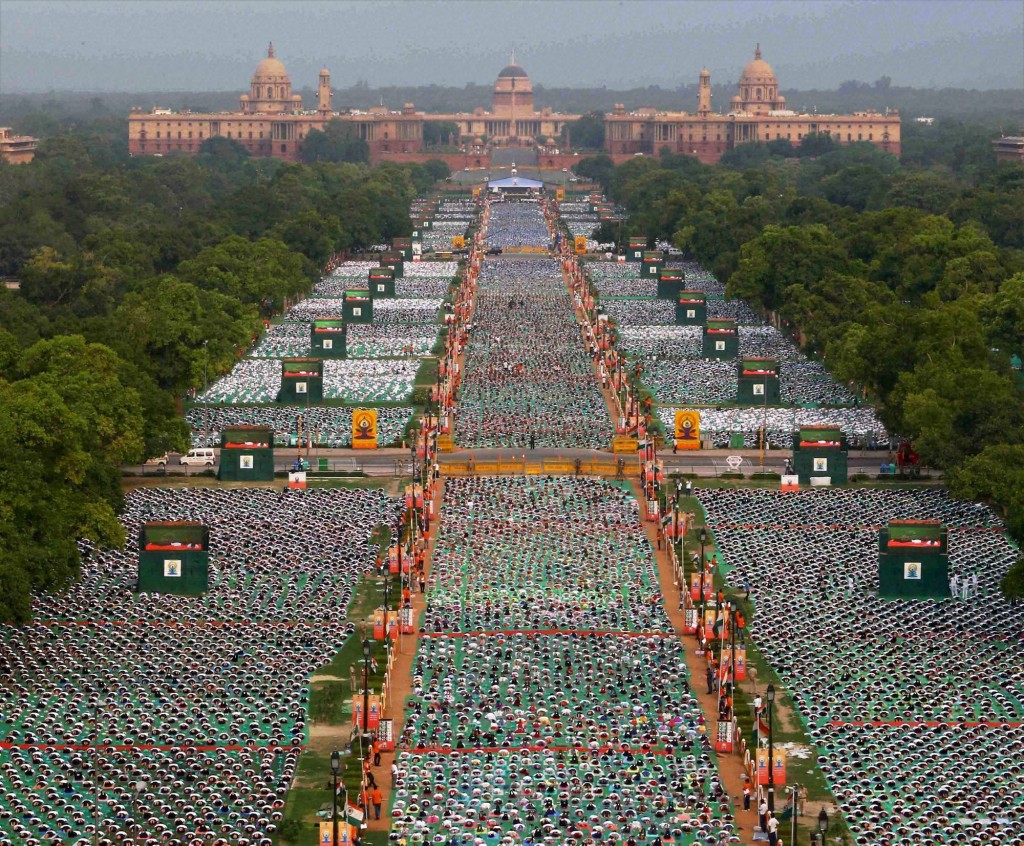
(127, 45)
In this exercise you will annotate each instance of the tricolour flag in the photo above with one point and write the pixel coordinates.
(354, 815)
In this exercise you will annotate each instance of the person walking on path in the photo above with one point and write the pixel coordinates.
(762, 815)
(378, 800)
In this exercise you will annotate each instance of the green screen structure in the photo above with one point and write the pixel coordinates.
(302, 381)
(328, 338)
(637, 244)
(721, 340)
(652, 265)
(691, 308)
(246, 454)
(403, 246)
(913, 560)
(358, 306)
(820, 452)
(174, 558)
(395, 261)
(757, 382)
(670, 282)
(382, 282)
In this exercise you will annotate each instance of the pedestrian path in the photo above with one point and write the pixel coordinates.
(527, 383)
(550, 691)
(552, 735)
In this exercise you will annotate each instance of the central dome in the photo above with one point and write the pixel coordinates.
(513, 98)
(271, 67)
(757, 69)
(511, 71)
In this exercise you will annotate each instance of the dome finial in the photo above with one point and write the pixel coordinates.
(757, 51)
(270, 50)
(513, 56)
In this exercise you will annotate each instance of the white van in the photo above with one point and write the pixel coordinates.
(202, 457)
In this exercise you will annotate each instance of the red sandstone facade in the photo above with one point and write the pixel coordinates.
(16, 149)
(271, 121)
(757, 113)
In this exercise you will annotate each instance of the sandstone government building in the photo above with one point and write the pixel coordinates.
(271, 121)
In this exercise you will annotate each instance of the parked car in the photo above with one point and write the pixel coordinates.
(159, 461)
(200, 457)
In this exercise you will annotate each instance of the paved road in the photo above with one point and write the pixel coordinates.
(396, 462)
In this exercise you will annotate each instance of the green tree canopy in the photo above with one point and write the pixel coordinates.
(226, 149)
(587, 133)
(597, 169)
(996, 476)
(337, 142)
(263, 272)
(438, 133)
(68, 423)
(785, 256)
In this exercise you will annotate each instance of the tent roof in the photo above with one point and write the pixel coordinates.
(515, 182)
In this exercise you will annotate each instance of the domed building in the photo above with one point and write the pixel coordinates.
(513, 92)
(513, 118)
(270, 91)
(759, 88)
(757, 113)
(272, 121)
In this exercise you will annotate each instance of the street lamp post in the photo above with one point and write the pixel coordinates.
(770, 696)
(764, 422)
(703, 541)
(335, 769)
(412, 506)
(822, 825)
(680, 566)
(733, 610)
(792, 818)
(387, 606)
(366, 685)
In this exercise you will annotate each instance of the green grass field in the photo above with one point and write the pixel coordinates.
(331, 706)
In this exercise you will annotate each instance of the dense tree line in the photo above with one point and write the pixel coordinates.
(139, 279)
(905, 277)
(587, 133)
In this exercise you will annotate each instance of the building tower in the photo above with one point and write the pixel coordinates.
(704, 94)
(323, 88)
